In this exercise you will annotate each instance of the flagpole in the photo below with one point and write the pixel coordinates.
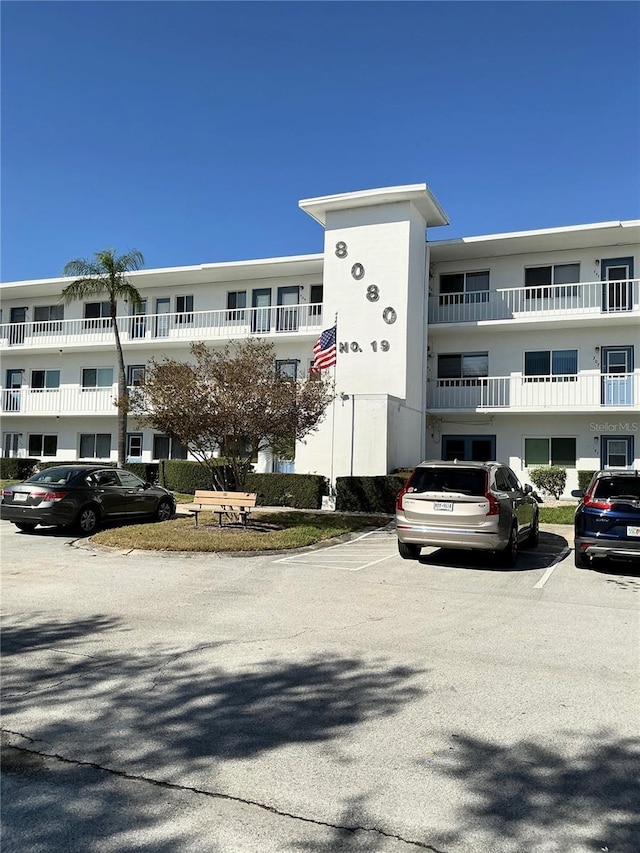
(333, 411)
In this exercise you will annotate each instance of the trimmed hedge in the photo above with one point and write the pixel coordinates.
(17, 469)
(301, 491)
(368, 494)
(185, 475)
(584, 478)
(550, 478)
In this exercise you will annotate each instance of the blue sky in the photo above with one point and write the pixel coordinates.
(190, 130)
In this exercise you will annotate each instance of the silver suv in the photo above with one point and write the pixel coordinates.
(466, 505)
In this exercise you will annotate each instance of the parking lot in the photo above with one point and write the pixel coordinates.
(335, 699)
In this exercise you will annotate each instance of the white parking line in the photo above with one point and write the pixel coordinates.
(550, 570)
(353, 556)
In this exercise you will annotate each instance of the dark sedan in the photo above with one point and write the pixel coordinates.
(82, 497)
(607, 521)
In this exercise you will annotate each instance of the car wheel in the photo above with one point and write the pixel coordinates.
(408, 551)
(164, 510)
(27, 526)
(534, 534)
(581, 560)
(508, 556)
(87, 521)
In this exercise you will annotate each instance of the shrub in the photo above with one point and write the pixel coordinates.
(552, 479)
(368, 494)
(184, 475)
(584, 478)
(17, 469)
(301, 491)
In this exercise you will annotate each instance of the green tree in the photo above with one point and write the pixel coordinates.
(106, 276)
(230, 401)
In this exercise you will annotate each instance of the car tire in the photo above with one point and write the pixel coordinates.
(409, 551)
(26, 526)
(88, 520)
(581, 560)
(508, 556)
(534, 534)
(164, 510)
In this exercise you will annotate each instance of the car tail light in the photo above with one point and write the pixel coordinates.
(494, 503)
(6, 493)
(54, 496)
(592, 503)
(399, 499)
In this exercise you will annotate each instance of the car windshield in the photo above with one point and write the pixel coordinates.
(467, 481)
(617, 487)
(53, 475)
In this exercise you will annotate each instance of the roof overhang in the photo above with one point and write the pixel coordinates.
(297, 265)
(617, 233)
(418, 194)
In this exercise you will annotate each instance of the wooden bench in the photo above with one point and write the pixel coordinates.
(235, 504)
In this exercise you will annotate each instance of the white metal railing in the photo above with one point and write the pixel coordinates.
(559, 393)
(188, 326)
(586, 298)
(66, 400)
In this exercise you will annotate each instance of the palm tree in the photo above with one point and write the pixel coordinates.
(106, 276)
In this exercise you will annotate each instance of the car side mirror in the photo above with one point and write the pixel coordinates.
(527, 489)
(577, 493)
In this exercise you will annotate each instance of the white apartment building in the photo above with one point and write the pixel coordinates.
(518, 346)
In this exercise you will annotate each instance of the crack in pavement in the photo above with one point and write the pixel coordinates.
(135, 777)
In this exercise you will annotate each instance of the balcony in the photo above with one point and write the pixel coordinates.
(165, 328)
(588, 299)
(586, 392)
(67, 400)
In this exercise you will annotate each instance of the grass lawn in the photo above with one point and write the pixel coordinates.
(558, 514)
(265, 532)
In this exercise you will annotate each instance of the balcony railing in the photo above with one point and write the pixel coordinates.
(67, 400)
(191, 326)
(595, 298)
(557, 393)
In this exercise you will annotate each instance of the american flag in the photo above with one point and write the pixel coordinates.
(324, 349)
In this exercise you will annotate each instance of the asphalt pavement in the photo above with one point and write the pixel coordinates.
(337, 699)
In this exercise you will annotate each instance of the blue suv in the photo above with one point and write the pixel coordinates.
(607, 521)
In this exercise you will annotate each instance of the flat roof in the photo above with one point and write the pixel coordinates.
(418, 194)
(615, 233)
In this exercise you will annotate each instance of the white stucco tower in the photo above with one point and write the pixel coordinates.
(376, 282)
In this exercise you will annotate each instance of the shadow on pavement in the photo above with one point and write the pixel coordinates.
(551, 545)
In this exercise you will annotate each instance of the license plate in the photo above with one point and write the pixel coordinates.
(443, 506)
(20, 497)
(633, 531)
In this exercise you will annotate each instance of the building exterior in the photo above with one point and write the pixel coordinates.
(520, 346)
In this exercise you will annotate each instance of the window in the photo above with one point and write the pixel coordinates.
(44, 379)
(134, 444)
(468, 448)
(44, 317)
(464, 287)
(550, 451)
(135, 375)
(539, 280)
(165, 447)
(236, 303)
(184, 309)
(315, 298)
(95, 445)
(43, 445)
(97, 377)
(287, 367)
(462, 369)
(97, 315)
(559, 365)
(130, 481)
